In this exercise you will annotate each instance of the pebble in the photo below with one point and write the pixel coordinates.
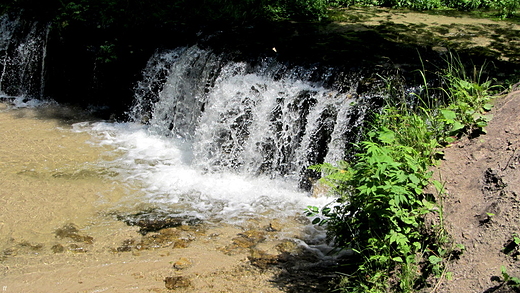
(182, 263)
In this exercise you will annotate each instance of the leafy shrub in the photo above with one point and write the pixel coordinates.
(381, 215)
(381, 207)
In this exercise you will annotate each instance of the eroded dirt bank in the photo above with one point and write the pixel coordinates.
(482, 204)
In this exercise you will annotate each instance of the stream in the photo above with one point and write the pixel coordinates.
(68, 186)
(202, 185)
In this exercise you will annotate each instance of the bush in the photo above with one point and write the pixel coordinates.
(381, 205)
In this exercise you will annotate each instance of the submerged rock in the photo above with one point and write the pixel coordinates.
(58, 248)
(245, 240)
(289, 247)
(71, 231)
(154, 220)
(178, 237)
(77, 248)
(182, 263)
(262, 259)
(172, 283)
(274, 226)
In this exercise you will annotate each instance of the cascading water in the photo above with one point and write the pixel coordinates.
(212, 136)
(264, 119)
(22, 58)
(219, 139)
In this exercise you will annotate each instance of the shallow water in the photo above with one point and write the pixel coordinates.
(48, 176)
(57, 173)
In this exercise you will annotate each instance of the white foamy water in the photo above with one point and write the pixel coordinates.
(159, 170)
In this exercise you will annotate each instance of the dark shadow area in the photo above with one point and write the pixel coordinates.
(503, 288)
(299, 270)
(99, 68)
(64, 115)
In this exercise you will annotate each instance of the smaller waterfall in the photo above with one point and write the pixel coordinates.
(257, 118)
(22, 57)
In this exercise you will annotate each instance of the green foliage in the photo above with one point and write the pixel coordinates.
(139, 12)
(183, 11)
(469, 99)
(513, 282)
(381, 217)
(302, 9)
(505, 8)
(106, 53)
(381, 207)
(513, 246)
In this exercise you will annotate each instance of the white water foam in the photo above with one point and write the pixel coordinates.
(160, 168)
(23, 102)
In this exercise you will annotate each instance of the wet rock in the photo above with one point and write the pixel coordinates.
(66, 230)
(320, 189)
(126, 246)
(153, 241)
(289, 247)
(179, 237)
(274, 226)
(177, 282)
(242, 242)
(71, 231)
(8, 252)
(245, 240)
(254, 236)
(77, 248)
(182, 243)
(262, 260)
(154, 220)
(153, 225)
(182, 263)
(30, 246)
(58, 248)
(172, 232)
(20, 248)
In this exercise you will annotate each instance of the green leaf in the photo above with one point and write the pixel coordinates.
(386, 136)
(449, 115)
(457, 126)
(397, 259)
(434, 259)
(417, 246)
(481, 123)
(505, 275)
(487, 117)
(450, 139)
(449, 276)
(414, 179)
(487, 107)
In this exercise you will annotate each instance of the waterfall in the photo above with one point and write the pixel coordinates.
(22, 57)
(259, 117)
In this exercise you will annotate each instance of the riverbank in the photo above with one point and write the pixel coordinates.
(482, 206)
